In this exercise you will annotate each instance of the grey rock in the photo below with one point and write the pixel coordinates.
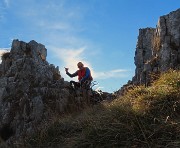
(31, 90)
(3, 81)
(158, 49)
(37, 109)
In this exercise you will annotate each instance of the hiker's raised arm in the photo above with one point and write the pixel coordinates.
(72, 75)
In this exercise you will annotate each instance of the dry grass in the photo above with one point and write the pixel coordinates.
(143, 117)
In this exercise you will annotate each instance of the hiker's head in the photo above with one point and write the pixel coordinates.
(80, 65)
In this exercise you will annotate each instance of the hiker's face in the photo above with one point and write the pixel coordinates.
(80, 67)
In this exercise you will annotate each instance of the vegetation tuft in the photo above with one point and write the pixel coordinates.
(143, 117)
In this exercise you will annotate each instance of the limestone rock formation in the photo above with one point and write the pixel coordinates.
(158, 49)
(30, 89)
(32, 92)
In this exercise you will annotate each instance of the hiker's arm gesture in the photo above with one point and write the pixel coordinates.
(66, 69)
(71, 75)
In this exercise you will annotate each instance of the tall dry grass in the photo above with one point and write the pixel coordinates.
(143, 117)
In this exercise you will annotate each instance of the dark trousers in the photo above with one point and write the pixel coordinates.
(74, 84)
(77, 85)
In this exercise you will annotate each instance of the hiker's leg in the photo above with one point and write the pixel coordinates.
(74, 84)
(77, 85)
(86, 84)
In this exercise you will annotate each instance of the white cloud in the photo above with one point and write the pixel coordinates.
(4, 5)
(55, 25)
(117, 73)
(52, 15)
(3, 50)
(71, 57)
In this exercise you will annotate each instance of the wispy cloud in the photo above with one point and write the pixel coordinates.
(70, 57)
(7, 2)
(60, 26)
(117, 73)
(4, 5)
(58, 23)
(52, 15)
(55, 25)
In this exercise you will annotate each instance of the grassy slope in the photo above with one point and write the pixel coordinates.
(144, 117)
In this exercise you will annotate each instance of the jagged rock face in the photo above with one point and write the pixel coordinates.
(168, 29)
(143, 53)
(30, 88)
(158, 49)
(32, 92)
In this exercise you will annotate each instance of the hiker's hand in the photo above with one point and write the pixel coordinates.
(66, 69)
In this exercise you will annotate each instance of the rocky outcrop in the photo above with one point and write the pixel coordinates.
(158, 49)
(30, 88)
(32, 92)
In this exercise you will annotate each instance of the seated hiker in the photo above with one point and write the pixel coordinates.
(84, 76)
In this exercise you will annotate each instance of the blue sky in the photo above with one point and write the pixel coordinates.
(100, 33)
